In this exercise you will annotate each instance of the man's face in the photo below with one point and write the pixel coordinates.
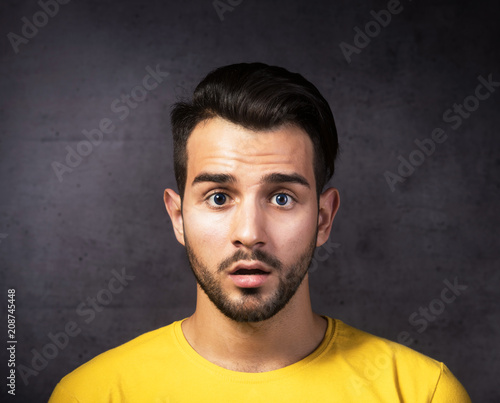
(250, 216)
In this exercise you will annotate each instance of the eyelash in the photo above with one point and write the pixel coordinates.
(221, 191)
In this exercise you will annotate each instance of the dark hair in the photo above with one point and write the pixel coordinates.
(258, 97)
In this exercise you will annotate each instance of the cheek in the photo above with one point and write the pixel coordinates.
(293, 235)
(203, 228)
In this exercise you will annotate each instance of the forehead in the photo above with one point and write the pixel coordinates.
(219, 146)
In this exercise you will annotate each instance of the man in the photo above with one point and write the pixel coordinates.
(252, 153)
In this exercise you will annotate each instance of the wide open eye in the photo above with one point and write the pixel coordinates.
(281, 199)
(218, 199)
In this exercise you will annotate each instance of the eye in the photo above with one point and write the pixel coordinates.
(217, 198)
(282, 199)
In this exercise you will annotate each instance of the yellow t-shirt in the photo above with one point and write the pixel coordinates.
(348, 366)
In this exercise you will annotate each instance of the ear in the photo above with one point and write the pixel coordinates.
(174, 207)
(329, 202)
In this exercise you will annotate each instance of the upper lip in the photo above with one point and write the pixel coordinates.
(249, 266)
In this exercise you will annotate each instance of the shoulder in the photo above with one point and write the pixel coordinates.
(350, 340)
(379, 361)
(117, 365)
(129, 351)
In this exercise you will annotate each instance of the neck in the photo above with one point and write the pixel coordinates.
(289, 336)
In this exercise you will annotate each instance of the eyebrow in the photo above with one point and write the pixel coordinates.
(272, 178)
(217, 178)
(285, 178)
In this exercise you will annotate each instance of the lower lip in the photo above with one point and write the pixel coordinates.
(249, 280)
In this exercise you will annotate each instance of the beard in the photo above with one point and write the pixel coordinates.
(251, 305)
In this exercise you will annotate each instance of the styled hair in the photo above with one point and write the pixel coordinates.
(258, 97)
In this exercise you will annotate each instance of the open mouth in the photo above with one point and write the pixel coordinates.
(249, 275)
(249, 271)
(249, 268)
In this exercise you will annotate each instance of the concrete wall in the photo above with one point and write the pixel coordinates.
(392, 251)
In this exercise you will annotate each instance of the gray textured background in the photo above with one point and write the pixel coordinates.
(60, 241)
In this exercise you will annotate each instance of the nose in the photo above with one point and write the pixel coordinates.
(248, 225)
